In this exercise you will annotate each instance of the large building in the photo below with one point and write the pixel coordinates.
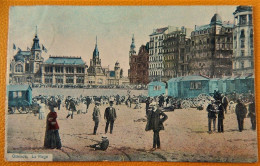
(29, 67)
(243, 45)
(138, 72)
(25, 66)
(175, 58)
(155, 70)
(212, 48)
(63, 71)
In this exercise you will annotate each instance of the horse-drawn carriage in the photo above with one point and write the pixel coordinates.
(20, 99)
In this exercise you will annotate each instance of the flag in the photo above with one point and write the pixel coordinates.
(14, 47)
(28, 49)
(44, 48)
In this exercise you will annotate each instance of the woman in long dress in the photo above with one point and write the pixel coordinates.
(52, 138)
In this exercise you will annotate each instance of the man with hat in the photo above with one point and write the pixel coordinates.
(155, 123)
(96, 116)
(221, 116)
(211, 116)
(241, 114)
(110, 116)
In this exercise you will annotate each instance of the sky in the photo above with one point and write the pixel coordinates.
(72, 30)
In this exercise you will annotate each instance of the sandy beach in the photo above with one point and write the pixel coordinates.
(185, 137)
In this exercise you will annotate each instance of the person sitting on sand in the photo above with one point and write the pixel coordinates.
(102, 145)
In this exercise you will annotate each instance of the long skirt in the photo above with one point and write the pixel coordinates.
(52, 139)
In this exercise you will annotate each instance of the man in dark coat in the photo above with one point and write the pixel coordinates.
(220, 117)
(147, 103)
(155, 123)
(211, 116)
(251, 114)
(241, 114)
(96, 116)
(161, 101)
(59, 103)
(225, 102)
(110, 117)
(88, 101)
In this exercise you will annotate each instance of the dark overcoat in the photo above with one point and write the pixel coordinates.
(154, 120)
(110, 113)
(241, 110)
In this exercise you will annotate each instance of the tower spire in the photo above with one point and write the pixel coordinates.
(36, 31)
(96, 40)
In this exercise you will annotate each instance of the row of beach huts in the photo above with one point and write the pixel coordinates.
(194, 85)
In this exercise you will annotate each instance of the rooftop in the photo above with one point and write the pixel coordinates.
(66, 60)
(18, 87)
(159, 31)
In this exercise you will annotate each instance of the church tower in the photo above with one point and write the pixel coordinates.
(117, 70)
(36, 55)
(95, 63)
(132, 47)
(95, 58)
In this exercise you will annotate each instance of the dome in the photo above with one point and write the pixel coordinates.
(216, 19)
(19, 57)
(132, 45)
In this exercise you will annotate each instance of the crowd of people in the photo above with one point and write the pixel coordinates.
(154, 107)
(218, 108)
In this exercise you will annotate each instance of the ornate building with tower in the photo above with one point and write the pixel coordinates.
(138, 72)
(25, 67)
(243, 44)
(29, 67)
(96, 74)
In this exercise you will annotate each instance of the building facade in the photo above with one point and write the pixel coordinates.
(138, 72)
(25, 66)
(64, 71)
(175, 58)
(96, 74)
(243, 45)
(212, 48)
(155, 70)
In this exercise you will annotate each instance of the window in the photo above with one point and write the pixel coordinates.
(242, 43)
(195, 85)
(242, 53)
(59, 79)
(69, 79)
(48, 69)
(19, 68)
(242, 20)
(80, 70)
(242, 65)
(58, 69)
(80, 80)
(69, 70)
(242, 34)
(48, 79)
(251, 39)
(157, 87)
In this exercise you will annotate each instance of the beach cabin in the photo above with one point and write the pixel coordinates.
(173, 87)
(244, 84)
(19, 95)
(192, 86)
(214, 85)
(156, 88)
